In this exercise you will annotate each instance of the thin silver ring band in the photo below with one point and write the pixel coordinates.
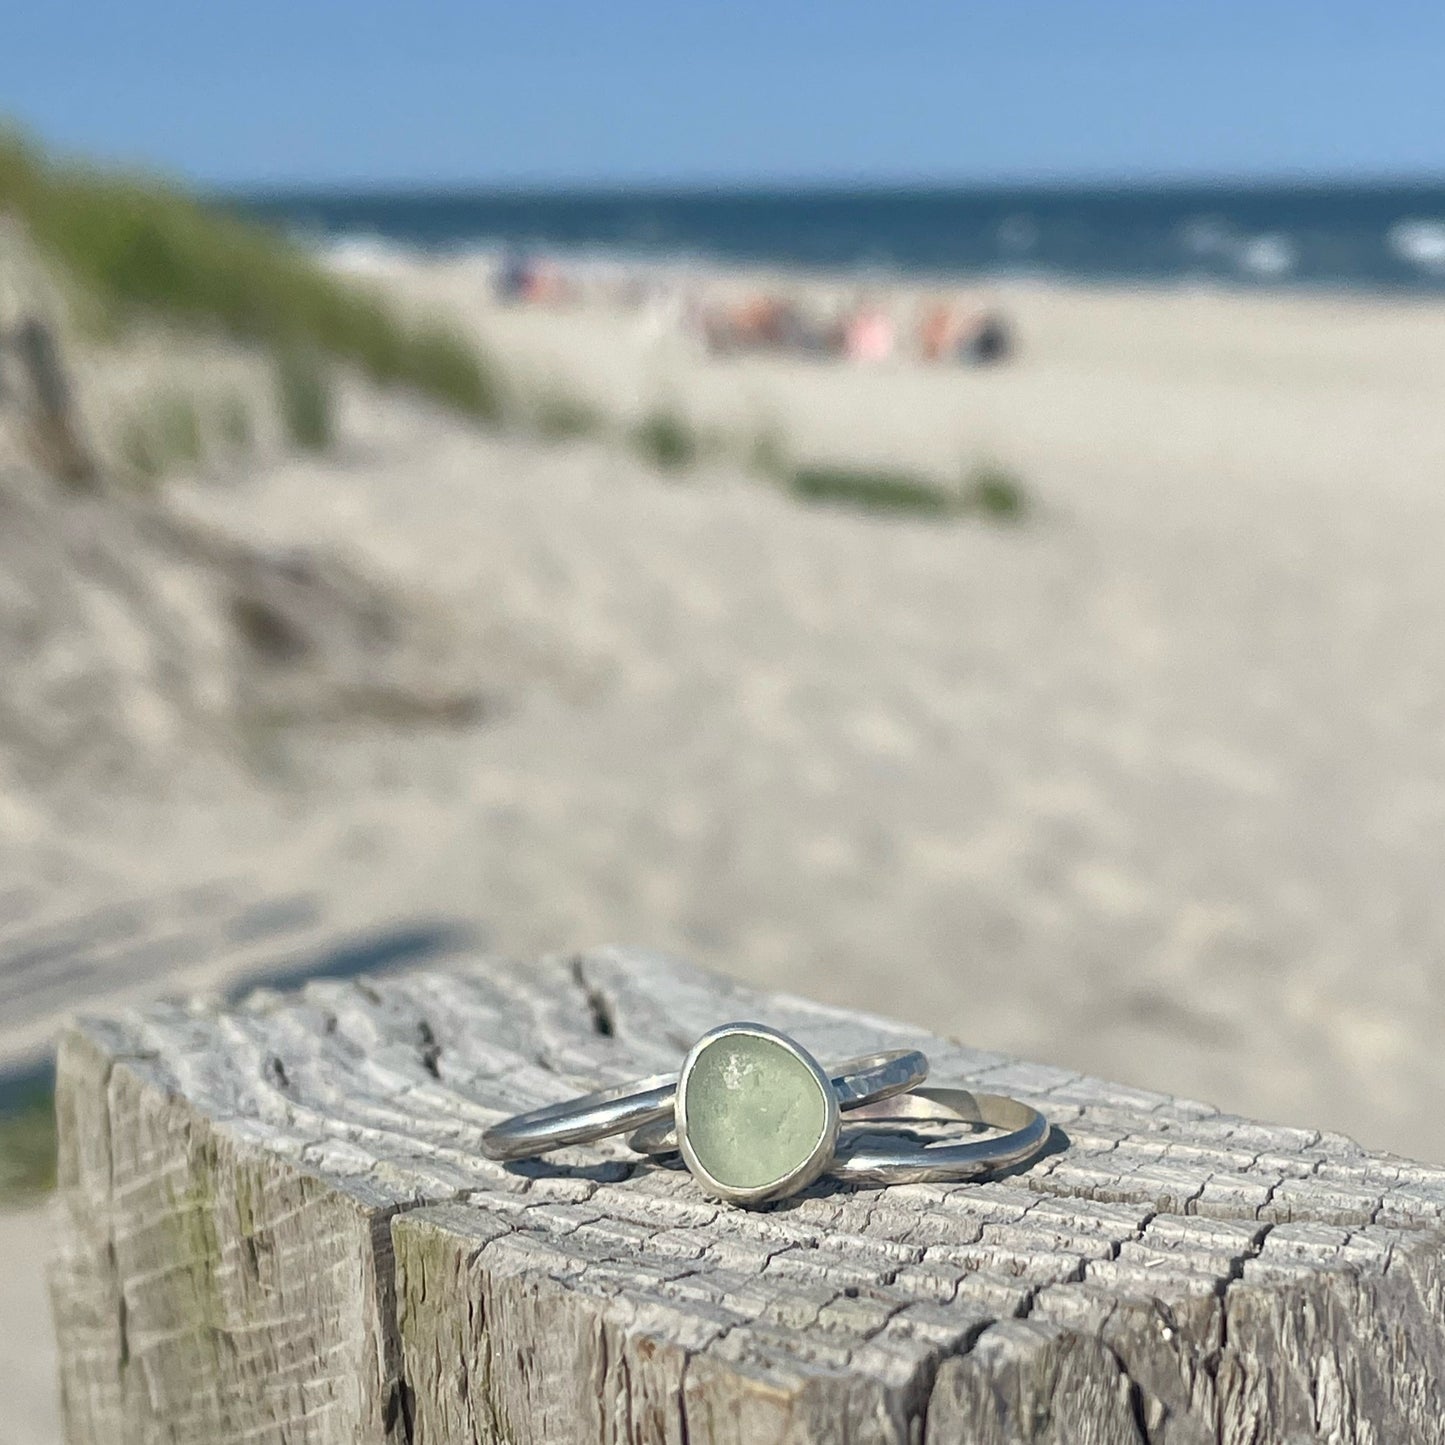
(911, 1162)
(857, 1083)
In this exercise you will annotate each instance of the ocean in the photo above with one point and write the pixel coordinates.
(1377, 237)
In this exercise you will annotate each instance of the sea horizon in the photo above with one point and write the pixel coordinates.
(1380, 234)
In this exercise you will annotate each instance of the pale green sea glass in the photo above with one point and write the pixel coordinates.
(755, 1112)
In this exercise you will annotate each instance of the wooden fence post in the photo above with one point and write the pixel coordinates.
(277, 1225)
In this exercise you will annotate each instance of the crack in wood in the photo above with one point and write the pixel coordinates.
(340, 1237)
(599, 1007)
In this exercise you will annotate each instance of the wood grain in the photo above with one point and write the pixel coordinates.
(277, 1225)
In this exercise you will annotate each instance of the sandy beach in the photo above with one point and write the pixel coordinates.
(27, 1352)
(1151, 785)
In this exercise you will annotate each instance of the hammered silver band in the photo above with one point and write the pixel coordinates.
(869, 1079)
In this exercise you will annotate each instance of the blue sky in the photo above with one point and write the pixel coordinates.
(604, 91)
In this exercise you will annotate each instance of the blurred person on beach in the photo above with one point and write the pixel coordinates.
(762, 322)
(513, 278)
(936, 332)
(991, 340)
(531, 279)
(980, 338)
(868, 333)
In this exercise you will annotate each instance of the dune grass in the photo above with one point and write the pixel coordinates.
(994, 491)
(133, 247)
(27, 1148)
(559, 415)
(988, 491)
(180, 427)
(161, 433)
(305, 400)
(136, 247)
(233, 422)
(768, 453)
(873, 489)
(667, 439)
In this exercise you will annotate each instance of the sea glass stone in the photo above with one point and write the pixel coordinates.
(755, 1111)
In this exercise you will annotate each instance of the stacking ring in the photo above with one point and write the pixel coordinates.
(1026, 1133)
(759, 1107)
(868, 1161)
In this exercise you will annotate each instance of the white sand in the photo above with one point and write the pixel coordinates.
(1153, 785)
(28, 1388)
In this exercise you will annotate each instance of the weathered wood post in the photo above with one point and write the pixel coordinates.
(276, 1225)
(37, 403)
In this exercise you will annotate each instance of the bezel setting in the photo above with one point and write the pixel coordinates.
(804, 1173)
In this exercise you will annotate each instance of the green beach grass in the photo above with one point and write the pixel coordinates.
(995, 491)
(135, 248)
(304, 397)
(988, 491)
(871, 489)
(667, 439)
(27, 1148)
(163, 433)
(132, 248)
(559, 415)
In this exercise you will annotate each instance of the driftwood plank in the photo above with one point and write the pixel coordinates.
(277, 1225)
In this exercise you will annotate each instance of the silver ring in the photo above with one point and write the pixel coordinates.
(913, 1162)
(920, 1163)
(584, 1120)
